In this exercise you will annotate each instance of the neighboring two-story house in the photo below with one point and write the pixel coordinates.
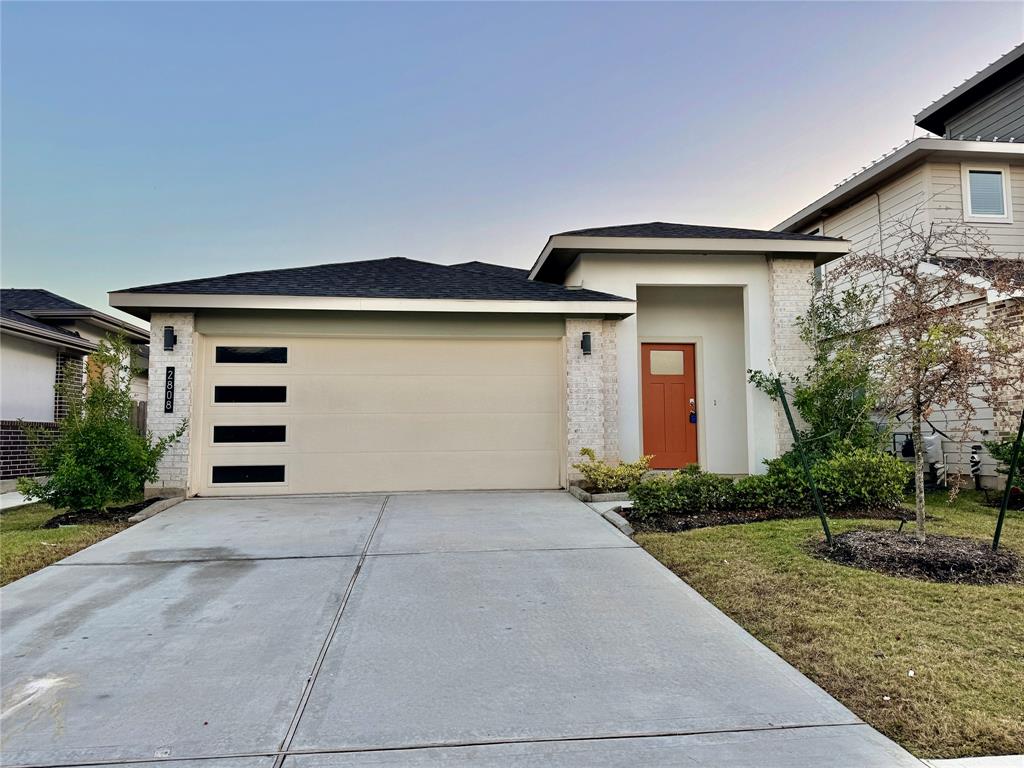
(42, 337)
(972, 169)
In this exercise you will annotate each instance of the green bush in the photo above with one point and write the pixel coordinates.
(860, 478)
(611, 478)
(688, 489)
(851, 478)
(1002, 452)
(96, 458)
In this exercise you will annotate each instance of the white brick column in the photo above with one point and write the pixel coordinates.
(791, 287)
(592, 389)
(173, 468)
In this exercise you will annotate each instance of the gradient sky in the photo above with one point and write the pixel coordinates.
(147, 142)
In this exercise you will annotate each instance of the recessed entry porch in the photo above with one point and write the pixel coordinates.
(692, 358)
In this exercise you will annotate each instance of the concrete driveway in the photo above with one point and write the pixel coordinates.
(488, 629)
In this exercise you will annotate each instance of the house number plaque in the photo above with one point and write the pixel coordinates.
(169, 391)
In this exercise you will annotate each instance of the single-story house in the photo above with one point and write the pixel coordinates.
(42, 337)
(396, 374)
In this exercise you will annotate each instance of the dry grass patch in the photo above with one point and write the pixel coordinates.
(25, 546)
(860, 634)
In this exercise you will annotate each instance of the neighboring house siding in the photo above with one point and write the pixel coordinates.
(903, 198)
(27, 370)
(929, 192)
(946, 203)
(1000, 114)
(932, 192)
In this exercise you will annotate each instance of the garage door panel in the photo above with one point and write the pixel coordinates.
(412, 393)
(406, 432)
(426, 471)
(389, 414)
(402, 394)
(383, 357)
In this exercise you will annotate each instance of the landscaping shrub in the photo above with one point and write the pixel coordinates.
(611, 478)
(1002, 452)
(97, 457)
(861, 478)
(852, 478)
(688, 489)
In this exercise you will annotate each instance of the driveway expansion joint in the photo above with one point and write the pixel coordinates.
(282, 754)
(331, 632)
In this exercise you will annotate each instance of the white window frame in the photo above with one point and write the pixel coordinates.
(965, 185)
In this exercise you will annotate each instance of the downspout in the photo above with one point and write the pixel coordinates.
(878, 209)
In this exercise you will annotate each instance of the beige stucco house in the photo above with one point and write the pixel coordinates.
(971, 170)
(396, 374)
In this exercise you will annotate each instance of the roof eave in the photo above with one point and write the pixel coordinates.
(50, 338)
(821, 250)
(142, 305)
(105, 321)
(933, 117)
(903, 158)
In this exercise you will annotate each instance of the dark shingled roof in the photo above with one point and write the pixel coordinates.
(393, 278)
(17, 304)
(664, 229)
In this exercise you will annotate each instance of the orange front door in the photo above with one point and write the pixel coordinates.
(669, 404)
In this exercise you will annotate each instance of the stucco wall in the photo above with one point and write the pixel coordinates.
(624, 274)
(27, 371)
(174, 466)
(711, 318)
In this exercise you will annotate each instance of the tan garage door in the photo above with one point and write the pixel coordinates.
(325, 415)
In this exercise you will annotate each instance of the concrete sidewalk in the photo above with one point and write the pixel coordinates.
(413, 629)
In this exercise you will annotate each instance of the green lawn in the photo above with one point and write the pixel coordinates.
(859, 634)
(25, 546)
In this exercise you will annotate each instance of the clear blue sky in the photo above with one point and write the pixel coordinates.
(146, 142)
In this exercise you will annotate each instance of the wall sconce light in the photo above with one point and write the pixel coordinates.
(170, 338)
(585, 343)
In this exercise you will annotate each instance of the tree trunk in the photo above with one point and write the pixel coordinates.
(918, 471)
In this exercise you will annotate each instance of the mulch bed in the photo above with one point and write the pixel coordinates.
(947, 559)
(100, 516)
(674, 522)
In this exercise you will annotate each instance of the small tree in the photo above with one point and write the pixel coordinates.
(933, 342)
(96, 457)
(836, 395)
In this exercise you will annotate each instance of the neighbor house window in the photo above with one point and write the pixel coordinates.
(987, 194)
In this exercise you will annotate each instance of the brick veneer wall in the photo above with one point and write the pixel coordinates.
(73, 364)
(592, 389)
(1008, 405)
(791, 287)
(16, 458)
(173, 468)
